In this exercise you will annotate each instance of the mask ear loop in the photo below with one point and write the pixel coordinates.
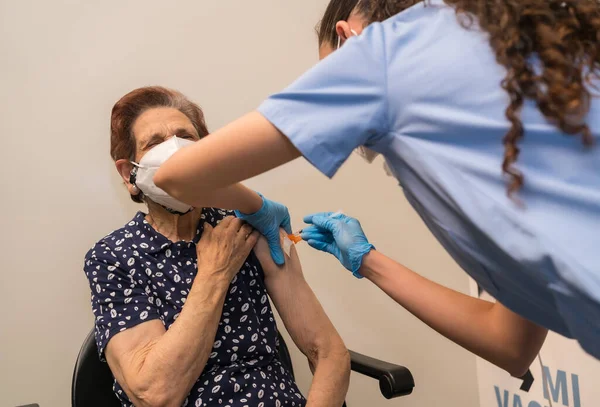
(132, 179)
(339, 41)
(132, 175)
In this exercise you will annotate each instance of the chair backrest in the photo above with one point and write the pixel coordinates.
(92, 380)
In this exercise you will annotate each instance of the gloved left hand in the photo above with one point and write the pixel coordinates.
(270, 217)
(339, 235)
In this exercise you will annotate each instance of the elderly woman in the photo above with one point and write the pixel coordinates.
(180, 294)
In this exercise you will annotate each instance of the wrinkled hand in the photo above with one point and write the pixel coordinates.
(271, 216)
(339, 235)
(222, 250)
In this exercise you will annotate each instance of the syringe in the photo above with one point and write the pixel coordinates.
(297, 238)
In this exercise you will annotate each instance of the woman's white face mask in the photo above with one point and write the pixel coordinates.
(143, 174)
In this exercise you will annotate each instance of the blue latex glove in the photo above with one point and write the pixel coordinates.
(270, 217)
(339, 235)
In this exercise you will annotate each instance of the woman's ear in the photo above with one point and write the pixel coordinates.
(343, 30)
(124, 167)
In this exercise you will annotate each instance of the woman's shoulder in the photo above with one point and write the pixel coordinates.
(106, 247)
(215, 215)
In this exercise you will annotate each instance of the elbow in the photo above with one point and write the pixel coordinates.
(518, 366)
(345, 360)
(517, 370)
(518, 361)
(515, 342)
(340, 356)
(335, 354)
(155, 395)
(519, 357)
(148, 400)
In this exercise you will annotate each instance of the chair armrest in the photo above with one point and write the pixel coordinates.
(394, 380)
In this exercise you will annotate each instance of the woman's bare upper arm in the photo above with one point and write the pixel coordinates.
(247, 147)
(299, 308)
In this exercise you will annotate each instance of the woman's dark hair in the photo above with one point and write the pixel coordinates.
(337, 10)
(563, 34)
(126, 111)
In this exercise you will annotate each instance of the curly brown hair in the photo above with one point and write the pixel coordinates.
(563, 34)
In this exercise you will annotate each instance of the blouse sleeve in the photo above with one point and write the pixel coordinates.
(118, 301)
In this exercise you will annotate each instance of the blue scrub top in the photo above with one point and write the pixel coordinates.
(425, 92)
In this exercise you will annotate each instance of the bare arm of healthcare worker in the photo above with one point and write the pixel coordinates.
(462, 116)
(487, 329)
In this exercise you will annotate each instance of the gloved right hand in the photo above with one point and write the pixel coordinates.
(339, 235)
(271, 216)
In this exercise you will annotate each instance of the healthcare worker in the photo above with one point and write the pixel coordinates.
(485, 112)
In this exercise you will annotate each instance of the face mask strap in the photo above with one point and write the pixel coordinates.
(339, 41)
(136, 166)
(174, 212)
(133, 173)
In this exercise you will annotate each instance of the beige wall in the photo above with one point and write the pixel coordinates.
(62, 66)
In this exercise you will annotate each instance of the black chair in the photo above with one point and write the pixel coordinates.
(93, 381)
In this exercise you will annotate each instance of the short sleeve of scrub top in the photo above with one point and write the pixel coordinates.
(336, 106)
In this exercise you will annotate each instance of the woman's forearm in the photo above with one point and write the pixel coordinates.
(484, 328)
(331, 369)
(175, 361)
